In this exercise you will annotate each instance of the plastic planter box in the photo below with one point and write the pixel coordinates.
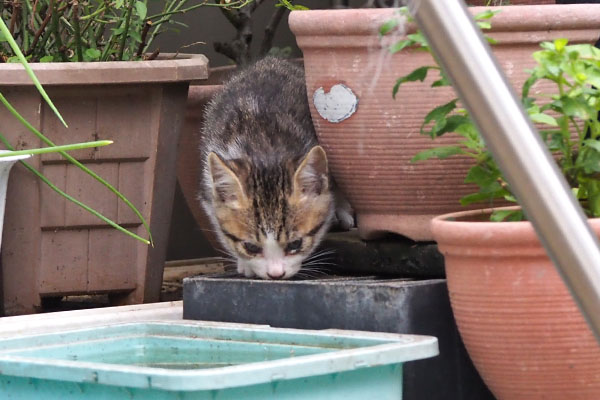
(199, 360)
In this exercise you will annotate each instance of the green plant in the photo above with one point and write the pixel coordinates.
(567, 118)
(90, 30)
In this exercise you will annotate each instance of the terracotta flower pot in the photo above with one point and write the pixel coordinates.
(371, 137)
(190, 147)
(53, 248)
(517, 319)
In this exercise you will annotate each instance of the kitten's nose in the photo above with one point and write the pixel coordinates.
(275, 275)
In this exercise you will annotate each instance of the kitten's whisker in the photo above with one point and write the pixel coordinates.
(321, 271)
(322, 254)
(318, 263)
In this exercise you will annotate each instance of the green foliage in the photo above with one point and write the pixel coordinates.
(292, 7)
(567, 117)
(89, 30)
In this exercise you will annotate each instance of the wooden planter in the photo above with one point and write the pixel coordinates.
(519, 323)
(53, 248)
(369, 148)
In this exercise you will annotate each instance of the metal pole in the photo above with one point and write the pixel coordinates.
(517, 147)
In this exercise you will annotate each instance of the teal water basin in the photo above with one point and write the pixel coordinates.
(185, 360)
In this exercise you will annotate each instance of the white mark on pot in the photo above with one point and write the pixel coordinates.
(337, 105)
(356, 63)
(509, 68)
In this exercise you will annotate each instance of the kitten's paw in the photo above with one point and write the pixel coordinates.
(345, 219)
(343, 212)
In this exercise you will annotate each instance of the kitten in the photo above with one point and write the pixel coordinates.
(266, 189)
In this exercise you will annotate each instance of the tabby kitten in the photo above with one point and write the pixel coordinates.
(266, 183)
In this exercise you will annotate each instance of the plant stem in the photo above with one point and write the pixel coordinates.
(99, 11)
(13, 18)
(77, 28)
(126, 30)
(56, 32)
(144, 36)
(24, 31)
(38, 33)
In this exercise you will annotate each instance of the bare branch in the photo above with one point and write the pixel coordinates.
(267, 42)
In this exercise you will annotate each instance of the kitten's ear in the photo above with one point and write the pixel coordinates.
(310, 178)
(225, 184)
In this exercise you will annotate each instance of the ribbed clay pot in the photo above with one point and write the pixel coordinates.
(370, 138)
(515, 315)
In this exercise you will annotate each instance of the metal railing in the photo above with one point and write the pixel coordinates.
(517, 148)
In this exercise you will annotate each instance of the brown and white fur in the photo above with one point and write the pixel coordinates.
(266, 189)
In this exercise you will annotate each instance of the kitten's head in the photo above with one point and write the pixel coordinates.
(271, 217)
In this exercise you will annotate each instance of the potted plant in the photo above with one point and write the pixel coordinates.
(51, 247)
(370, 143)
(515, 315)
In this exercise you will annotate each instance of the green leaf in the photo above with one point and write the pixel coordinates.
(418, 74)
(559, 44)
(486, 179)
(594, 144)
(119, 3)
(418, 38)
(443, 81)
(487, 14)
(141, 9)
(388, 26)
(543, 119)
(484, 25)
(590, 163)
(92, 54)
(136, 36)
(400, 45)
(574, 108)
(288, 4)
(437, 152)
(452, 123)
(481, 197)
(506, 215)
(438, 115)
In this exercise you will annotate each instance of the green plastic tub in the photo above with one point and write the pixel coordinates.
(183, 360)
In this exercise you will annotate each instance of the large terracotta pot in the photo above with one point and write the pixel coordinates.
(373, 136)
(190, 147)
(52, 248)
(515, 315)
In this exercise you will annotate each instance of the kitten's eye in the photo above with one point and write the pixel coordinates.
(252, 249)
(293, 247)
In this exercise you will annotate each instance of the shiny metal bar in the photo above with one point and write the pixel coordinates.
(517, 147)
